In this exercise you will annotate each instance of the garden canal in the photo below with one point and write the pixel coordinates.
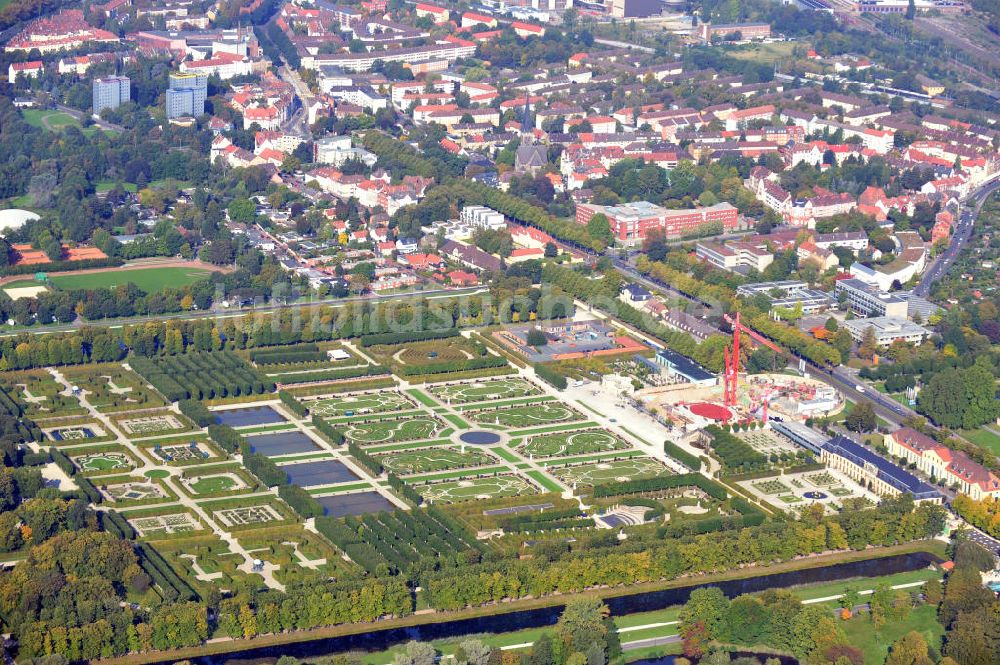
(376, 639)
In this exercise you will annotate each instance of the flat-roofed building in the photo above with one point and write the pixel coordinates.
(788, 294)
(868, 300)
(887, 329)
(684, 368)
(111, 92)
(632, 222)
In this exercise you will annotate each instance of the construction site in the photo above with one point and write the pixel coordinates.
(698, 398)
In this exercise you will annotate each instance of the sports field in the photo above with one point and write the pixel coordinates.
(48, 119)
(481, 391)
(561, 444)
(384, 431)
(528, 415)
(149, 280)
(613, 471)
(477, 488)
(406, 462)
(358, 404)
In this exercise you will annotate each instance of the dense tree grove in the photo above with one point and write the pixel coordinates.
(635, 560)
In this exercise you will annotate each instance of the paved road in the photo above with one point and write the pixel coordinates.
(966, 222)
(298, 124)
(100, 124)
(980, 538)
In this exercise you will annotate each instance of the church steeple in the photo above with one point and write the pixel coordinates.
(527, 122)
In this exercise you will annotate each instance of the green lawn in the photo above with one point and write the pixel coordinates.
(149, 280)
(212, 484)
(763, 53)
(55, 119)
(837, 588)
(875, 644)
(985, 438)
(25, 201)
(107, 186)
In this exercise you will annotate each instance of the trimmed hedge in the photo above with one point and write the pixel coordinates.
(62, 461)
(553, 525)
(453, 366)
(373, 466)
(89, 490)
(293, 404)
(656, 508)
(163, 574)
(404, 490)
(551, 377)
(262, 467)
(331, 374)
(202, 375)
(289, 358)
(196, 411)
(301, 501)
(293, 353)
(684, 457)
(547, 516)
(329, 431)
(376, 339)
(226, 437)
(113, 522)
(710, 487)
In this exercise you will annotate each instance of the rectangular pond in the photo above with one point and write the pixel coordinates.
(282, 443)
(341, 505)
(250, 415)
(323, 472)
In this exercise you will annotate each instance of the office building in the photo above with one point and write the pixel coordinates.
(887, 329)
(186, 94)
(866, 299)
(111, 92)
(788, 294)
(631, 222)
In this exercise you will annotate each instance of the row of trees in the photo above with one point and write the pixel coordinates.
(287, 326)
(736, 455)
(202, 376)
(642, 561)
(405, 543)
(983, 514)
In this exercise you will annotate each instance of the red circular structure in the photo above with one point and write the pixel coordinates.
(711, 411)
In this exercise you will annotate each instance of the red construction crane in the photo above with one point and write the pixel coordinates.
(731, 377)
